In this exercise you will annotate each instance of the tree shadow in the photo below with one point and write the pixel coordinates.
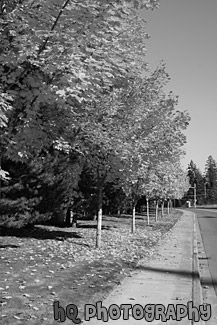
(39, 233)
(206, 217)
(47, 232)
(204, 258)
(117, 217)
(90, 226)
(9, 246)
(208, 282)
(179, 272)
(209, 208)
(184, 273)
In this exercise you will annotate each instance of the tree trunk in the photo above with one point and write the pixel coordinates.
(133, 228)
(147, 209)
(68, 215)
(171, 205)
(99, 220)
(156, 211)
(162, 209)
(74, 219)
(168, 207)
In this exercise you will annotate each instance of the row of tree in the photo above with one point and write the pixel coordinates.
(83, 122)
(205, 183)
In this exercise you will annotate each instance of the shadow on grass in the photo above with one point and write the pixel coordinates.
(9, 246)
(129, 216)
(89, 226)
(38, 233)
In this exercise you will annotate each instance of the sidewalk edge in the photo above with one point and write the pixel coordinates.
(197, 288)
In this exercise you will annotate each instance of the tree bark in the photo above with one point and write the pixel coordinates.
(162, 208)
(43, 46)
(168, 207)
(147, 209)
(68, 215)
(99, 220)
(156, 211)
(133, 228)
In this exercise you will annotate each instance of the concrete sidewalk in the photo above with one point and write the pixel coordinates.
(170, 277)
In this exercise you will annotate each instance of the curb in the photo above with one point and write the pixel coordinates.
(209, 295)
(197, 295)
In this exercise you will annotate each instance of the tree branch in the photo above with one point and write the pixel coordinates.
(43, 46)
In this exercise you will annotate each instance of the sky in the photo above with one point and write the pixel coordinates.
(184, 35)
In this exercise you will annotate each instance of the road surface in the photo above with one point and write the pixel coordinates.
(207, 219)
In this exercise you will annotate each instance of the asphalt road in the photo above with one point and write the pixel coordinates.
(207, 219)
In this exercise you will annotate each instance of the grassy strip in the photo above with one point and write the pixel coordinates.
(45, 264)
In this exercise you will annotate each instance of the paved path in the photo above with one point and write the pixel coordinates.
(209, 294)
(207, 220)
(171, 277)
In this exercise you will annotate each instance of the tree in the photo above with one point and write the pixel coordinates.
(40, 190)
(167, 181)
(211, 180)
(154, 135)
(195, 177)
(56, 57)
(72, 76)
(57, 60)
(104, 168)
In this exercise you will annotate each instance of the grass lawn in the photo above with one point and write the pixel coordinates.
(45, 264)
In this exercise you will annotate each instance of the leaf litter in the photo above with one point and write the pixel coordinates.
(41, 270)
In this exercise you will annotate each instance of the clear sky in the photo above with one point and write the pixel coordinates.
(184, 35)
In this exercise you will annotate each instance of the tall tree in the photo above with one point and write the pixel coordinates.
(58, 58)
(211, 180)
(104, 166)
(154, 134)
(196, 179)
(58, 55)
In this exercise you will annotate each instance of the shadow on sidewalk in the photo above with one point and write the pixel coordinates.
(183, 273)
(180, 272)
(208, 282)
(206, 217)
